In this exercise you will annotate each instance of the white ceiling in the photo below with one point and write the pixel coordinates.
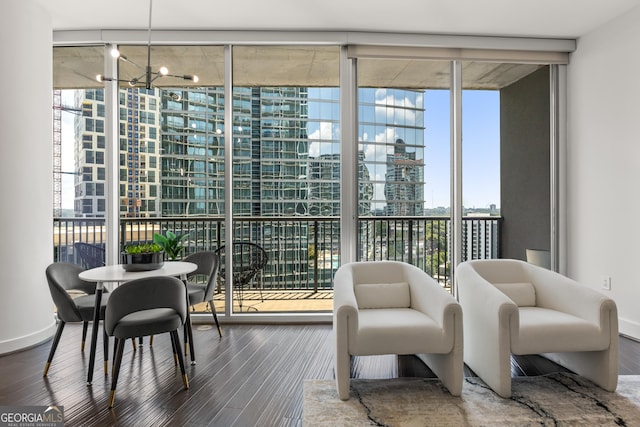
(525, 18)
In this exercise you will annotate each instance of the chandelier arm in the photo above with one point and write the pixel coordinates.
(149, 75)
(149, 80)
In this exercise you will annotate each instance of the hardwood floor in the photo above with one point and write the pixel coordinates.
(252, 376)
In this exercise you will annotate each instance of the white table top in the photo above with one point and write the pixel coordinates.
(115, 273)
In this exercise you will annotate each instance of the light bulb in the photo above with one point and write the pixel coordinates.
(195, 79)
(115, 53)
(99, 78)
(164, 71)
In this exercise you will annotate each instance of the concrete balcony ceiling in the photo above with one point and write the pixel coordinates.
(307, 66)
(318, 65)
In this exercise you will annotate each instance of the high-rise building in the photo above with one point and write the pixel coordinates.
(139, 166)
(89, 154)
(286, 162)
(404, 187)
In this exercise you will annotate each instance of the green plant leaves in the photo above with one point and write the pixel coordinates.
(143, 248)
(171, 243)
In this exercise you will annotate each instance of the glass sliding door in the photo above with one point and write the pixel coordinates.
(286, 174)
(480, 162)
(405, 173)
(506, 159)
(169, 142)
(403, 162)
(172, 149)
(78, 156)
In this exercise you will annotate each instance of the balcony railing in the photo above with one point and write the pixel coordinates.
(304, 252)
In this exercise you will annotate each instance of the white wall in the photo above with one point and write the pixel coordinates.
(603, 164)
(25, 175)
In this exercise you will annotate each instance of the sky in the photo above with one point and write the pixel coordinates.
(480, 148)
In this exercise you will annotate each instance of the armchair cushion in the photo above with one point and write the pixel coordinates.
(522, 293)
(550, 331)
(404, 330)
(383, 295)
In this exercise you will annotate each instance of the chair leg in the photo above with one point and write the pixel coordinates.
(174, 345)
(239, 296)
(85, 327)
(215, 317)
(185, 379)
(151, 341)
(54, 346)
(186, 339)
(116, 371)
(105, 345)
(115, 350)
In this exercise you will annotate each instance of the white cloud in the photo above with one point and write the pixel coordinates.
(325, 132)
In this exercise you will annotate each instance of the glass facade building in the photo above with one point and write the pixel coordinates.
(286, 163)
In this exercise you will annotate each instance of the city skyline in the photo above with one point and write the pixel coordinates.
(480, 149)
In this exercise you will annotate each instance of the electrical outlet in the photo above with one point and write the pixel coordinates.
(606, 283)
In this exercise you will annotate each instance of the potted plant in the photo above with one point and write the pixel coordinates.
(142, 257)
(171, 243)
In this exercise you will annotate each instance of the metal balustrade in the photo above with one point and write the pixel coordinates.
(304, 252)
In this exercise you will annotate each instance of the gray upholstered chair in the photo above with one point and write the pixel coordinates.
(513, 307)
(62, 278)
(208, 265)
(391, 307)
(143, 307)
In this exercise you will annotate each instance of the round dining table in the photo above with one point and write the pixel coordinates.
(111, 274)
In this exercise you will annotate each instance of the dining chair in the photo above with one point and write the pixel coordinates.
(63, 280)
(200, 287)
(201, 283)
(247, 260)
(143, 307)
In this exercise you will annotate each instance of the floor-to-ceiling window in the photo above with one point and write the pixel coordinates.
(403, 162)
(286, 175)
(286, 172)
(406, 174)
(79, 156)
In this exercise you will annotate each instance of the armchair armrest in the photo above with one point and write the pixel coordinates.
(429, 297)
(486, 307)
(489, 319)
(557, 292)
(345, 324)
(345, 306)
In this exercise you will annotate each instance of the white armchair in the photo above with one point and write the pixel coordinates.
(511, 306)
(390, 307)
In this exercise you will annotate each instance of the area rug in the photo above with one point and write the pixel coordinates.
(549, 400)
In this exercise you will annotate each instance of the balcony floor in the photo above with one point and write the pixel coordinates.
(275, 301)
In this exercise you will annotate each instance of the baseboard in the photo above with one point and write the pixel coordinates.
(28, 341)
(629, 328)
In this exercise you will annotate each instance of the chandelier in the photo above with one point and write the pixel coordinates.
(148, 75)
